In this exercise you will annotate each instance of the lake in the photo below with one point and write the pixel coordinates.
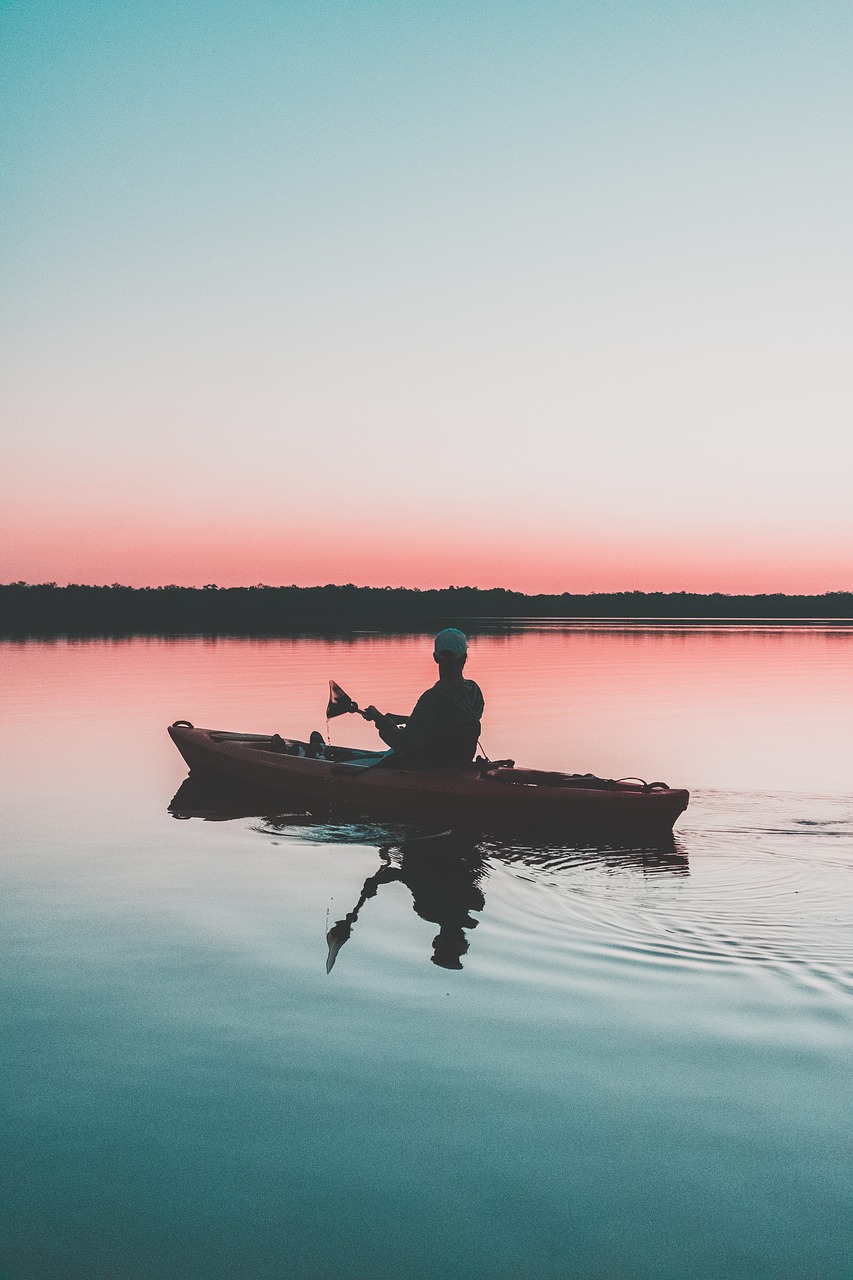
(537, 1060)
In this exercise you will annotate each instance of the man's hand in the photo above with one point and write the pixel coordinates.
(370, 713)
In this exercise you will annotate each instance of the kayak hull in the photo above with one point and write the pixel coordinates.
(493, 800)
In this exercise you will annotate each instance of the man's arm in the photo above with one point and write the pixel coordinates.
(407, 739)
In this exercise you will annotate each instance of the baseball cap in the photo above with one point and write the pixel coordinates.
(451, 641)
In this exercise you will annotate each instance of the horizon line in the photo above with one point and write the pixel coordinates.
(341, 586)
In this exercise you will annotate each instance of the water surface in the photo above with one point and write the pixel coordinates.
(528, 1059)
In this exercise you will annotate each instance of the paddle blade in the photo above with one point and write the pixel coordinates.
(340, 703)
(336, 937)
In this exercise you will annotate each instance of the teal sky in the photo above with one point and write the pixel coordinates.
(551, 296)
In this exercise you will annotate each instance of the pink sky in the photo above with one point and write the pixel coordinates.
(295, 549)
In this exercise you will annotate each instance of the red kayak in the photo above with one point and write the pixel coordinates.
(490, 794)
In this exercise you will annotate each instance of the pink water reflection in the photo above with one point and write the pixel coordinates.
(731, 708)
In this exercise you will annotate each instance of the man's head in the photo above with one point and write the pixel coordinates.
(451, 648)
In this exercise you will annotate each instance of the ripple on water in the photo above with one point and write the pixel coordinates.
(755, 881)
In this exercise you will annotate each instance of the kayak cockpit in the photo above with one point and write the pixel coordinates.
(275, 745)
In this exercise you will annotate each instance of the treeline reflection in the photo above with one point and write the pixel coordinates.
(46, 609)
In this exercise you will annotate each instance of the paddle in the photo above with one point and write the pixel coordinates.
(341, 704)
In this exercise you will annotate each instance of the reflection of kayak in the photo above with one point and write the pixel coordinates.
(483, 794)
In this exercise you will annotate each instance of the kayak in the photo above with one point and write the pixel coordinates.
(491, 794)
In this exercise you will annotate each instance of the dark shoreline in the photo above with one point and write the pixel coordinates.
(45, 610)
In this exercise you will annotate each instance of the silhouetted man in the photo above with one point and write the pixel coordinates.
(443, 730)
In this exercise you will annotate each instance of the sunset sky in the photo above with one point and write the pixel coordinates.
(553, 296)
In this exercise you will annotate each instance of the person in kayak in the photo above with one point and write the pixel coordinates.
(443, 730)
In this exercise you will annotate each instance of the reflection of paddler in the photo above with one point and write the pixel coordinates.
(443, 874)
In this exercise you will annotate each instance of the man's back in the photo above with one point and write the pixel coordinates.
(443, 729)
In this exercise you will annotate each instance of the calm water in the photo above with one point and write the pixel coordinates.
(527, 1061)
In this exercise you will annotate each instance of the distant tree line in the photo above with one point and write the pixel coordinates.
(44, 609)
